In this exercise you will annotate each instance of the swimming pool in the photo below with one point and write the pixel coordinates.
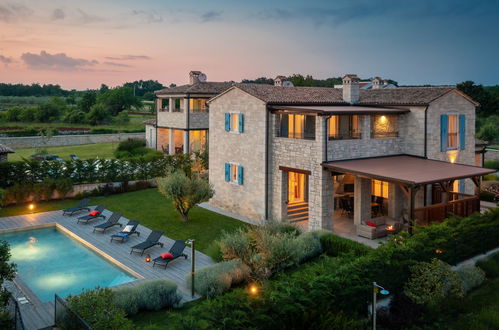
(48, 261)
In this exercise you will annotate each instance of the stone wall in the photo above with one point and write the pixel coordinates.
(172, 119)
(66, 140)
(246, 149)
(198, 120)
(151, 136)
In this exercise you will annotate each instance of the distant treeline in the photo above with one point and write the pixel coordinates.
(308, 81)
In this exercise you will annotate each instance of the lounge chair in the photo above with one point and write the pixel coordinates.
(123, 235)
(111, 222)
(80, 207)
(177, 250)
(151, 240)
(88, 218)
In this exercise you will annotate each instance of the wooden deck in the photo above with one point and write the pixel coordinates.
(37, 314)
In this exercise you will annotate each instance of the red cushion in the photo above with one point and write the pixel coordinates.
(371, 224)
(166, 255)
(94, 213)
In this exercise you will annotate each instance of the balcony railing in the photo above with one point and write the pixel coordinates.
(463, 207)
(345, 136)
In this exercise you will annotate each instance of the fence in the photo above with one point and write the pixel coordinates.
(15, 313)
(65, 318)
(438, 212)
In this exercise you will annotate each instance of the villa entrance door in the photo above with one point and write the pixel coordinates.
(297, 197)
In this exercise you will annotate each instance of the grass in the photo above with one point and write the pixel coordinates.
(154, 211)
(135, 123)
(84, 151)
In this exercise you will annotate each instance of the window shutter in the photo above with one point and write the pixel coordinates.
(444, 128)
(461, 186)
(241, 123)
(227, 122)
(227, 172)
(240, 174)
(462, 132)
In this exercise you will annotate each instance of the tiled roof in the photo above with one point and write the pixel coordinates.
(403, 95)
(151, 122)
(4, 149)
(197, 88)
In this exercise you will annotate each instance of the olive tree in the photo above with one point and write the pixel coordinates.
(185, 192)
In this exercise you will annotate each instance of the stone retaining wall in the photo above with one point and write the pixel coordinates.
(66, 140)
(492, 154)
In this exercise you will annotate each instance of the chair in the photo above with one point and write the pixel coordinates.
(151, 240)
(111, 222)
(88, 218)
(80, 207)
(177, 250)
(370, 232)
(123, 235)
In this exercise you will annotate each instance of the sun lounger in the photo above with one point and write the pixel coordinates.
(111, 222)
(88, 218)
(130, 229)
(150, 241)
(80, 207)
(176, 251)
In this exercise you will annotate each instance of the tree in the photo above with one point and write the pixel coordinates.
(7, 273)
(490, 130)
(489, 105)
(98, 115)
(51, 110)
(87, 101)
(118, 99)
(185, 192)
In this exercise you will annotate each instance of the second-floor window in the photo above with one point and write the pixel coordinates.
(384, 126)
(198, 105)
(344, 127)
(452, 132)
(234, 122)
(296, 126)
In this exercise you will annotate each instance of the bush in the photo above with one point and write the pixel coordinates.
(214, 251)
(334, 246)
(74, 116)
(471, 277)
(2, 196)
(401, 312)
(148, 295)
(494, 164)
(98, 309)
(122, 118)
(217, 279)
(431, 282)
(487, 196)
(490, 265)
(98, 115)
(309, 246)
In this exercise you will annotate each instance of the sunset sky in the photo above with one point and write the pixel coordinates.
(81, 44)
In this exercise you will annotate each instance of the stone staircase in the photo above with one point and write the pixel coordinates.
(298, 212)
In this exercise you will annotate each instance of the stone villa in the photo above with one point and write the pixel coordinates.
(328, 157)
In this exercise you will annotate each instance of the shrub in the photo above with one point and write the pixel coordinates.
(430, 282)
(214, 251)
(401, 312)
(97, 308)
(98, 115)
(309, 246)
(148, 295)
(74, 116)
(2, 196)
(490, 265)
(471, 277)
(334, 246)
(494, 164)
(487, 196)
(122, 118)
(217, 279)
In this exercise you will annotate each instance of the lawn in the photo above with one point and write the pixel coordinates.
(153, 210)
(84, 151)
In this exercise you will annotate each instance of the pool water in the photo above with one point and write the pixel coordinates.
(50, 262)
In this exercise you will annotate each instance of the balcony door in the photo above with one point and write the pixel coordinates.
(297, 187)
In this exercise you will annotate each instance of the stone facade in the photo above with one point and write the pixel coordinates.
(151, 136)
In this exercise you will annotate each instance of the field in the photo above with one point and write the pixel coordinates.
(85, 151)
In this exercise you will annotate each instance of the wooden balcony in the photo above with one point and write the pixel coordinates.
(460, 204)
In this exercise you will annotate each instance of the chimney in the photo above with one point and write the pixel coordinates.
(377, 82)
(351, 90)
(196, 76)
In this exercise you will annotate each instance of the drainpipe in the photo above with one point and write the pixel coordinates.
(325, 138)
(188, 109)
(425, 131)
(267, 141)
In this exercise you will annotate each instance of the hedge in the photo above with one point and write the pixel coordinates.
(82, 171)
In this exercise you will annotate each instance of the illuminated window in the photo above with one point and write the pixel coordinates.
(380, 188)
(233, 172)
(198, 105)
(296, 126)
(383, 126)
(452, 132)
(234, 125)
(344, 127)
(197, 140)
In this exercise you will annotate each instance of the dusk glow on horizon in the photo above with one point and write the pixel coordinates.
(81, 44)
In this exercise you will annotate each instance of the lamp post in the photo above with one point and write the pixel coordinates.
(193, 262)
(383, 291)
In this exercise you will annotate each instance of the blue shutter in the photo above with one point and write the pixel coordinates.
(462, 132)
(461, 186)
(241, 123)
(240, 174)
(444, 130)
(227, 122)
(227, 172)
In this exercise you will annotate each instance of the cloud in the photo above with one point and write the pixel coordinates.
(85, 17)
(148, 17)
(56, 62)
(13, 12)
(211, 16)
(6, 60)
(58, 14)
(128, 57)
(117, 64)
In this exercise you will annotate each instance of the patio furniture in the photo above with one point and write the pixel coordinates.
(80, 207)
(176, 251)
(111, 222)
(74, 157)
(89, 217)
(125, 233)
(151, 240)
(372, 232)
(346, 205)
(377, 206)
(166, 150)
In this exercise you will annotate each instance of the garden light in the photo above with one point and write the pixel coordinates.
(31, 207)
(253, 289)
(148, 258)
(383, 291)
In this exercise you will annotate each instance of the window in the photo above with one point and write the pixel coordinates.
(296, 126)
(198, 140)
(178, 105)
(380, 188)
(234, 173)
(234, 122)
(198, 105)
(452, 129)
(344, 127)
(384, 126)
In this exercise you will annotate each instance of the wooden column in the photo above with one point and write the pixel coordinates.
(412, 221)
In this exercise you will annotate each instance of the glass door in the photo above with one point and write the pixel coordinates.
(296, 187)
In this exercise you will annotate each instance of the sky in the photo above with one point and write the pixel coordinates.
(81, 44)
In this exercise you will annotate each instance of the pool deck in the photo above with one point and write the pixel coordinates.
(37, 314)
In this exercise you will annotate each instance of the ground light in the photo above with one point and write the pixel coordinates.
(31, 207)
(383, 291)
(253, 289)
(148, 258)
(193, 263)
